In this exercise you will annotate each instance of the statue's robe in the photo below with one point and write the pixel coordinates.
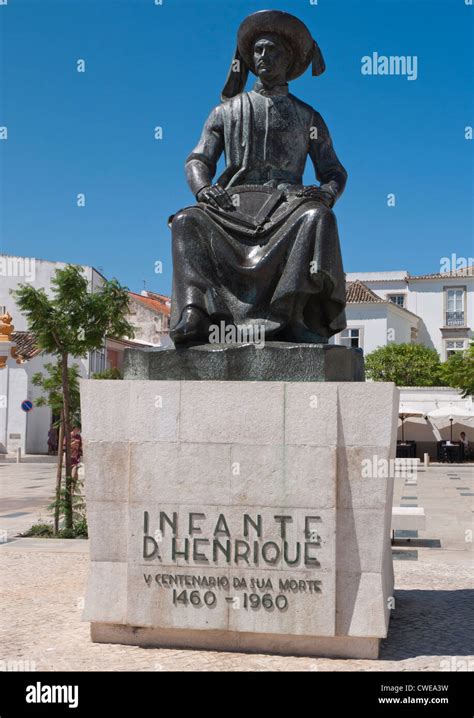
(275, 260)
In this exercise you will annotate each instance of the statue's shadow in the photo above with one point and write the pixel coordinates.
(430, 623)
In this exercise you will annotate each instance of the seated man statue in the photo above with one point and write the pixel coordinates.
(259, 247)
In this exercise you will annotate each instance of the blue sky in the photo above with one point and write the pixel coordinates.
(149, 65)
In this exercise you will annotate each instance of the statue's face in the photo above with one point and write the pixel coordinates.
(271, 59)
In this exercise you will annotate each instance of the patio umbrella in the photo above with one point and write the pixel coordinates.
(408, 410)
(463, 413)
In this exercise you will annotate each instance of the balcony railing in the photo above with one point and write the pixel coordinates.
(454, 319)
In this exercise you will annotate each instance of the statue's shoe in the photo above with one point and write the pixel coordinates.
(192, 327)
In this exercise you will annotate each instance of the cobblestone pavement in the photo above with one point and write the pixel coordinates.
(43, 583)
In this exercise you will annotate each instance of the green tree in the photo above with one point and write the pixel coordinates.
(73, 322)
(51, 384)
(52, 387)
(404, 364)
(458, 371)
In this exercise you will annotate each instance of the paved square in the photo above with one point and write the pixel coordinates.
(43, 584)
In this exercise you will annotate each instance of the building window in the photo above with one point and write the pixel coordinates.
(455, 307)
(97, 361)
(351, 338)
(454, 346)
(398, 299)
(413, 335)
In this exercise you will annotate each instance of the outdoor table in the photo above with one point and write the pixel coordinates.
(406, 450)
(452, 452)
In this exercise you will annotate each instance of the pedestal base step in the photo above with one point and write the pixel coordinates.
(315, 646)
(274, 361)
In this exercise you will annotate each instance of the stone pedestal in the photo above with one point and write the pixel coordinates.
(250, 516)
(272, 361)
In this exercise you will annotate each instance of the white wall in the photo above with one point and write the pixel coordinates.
(36, 272)
(4, 377)
(399, 325)
(149, 325)
(394, 276)
(38, 420)
(17, 391)
(15, 379)
(383, 290)
(372, 318)
(16, 386)
(425, 298)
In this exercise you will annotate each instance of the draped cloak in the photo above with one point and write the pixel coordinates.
(275, 259)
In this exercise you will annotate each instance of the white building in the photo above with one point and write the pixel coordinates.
(18, 429)
(150, 314)
(436, 310)
(29, 431)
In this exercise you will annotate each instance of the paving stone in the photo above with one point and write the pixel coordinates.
(44, 583)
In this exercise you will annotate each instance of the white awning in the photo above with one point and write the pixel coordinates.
(407, 409)
(462, 413)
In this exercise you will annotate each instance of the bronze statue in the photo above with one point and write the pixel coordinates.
(259, 248)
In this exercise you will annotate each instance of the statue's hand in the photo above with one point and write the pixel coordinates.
(216, 196)
(319, 194)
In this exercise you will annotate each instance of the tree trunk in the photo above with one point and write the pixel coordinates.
(59, 472)
(67, 432)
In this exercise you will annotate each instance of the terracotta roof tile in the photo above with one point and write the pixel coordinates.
(157, 302)
(25, 345)
(357, 292)
(465, 272)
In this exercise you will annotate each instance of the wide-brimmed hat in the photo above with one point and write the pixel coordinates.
(280, 23)
(304, 48)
